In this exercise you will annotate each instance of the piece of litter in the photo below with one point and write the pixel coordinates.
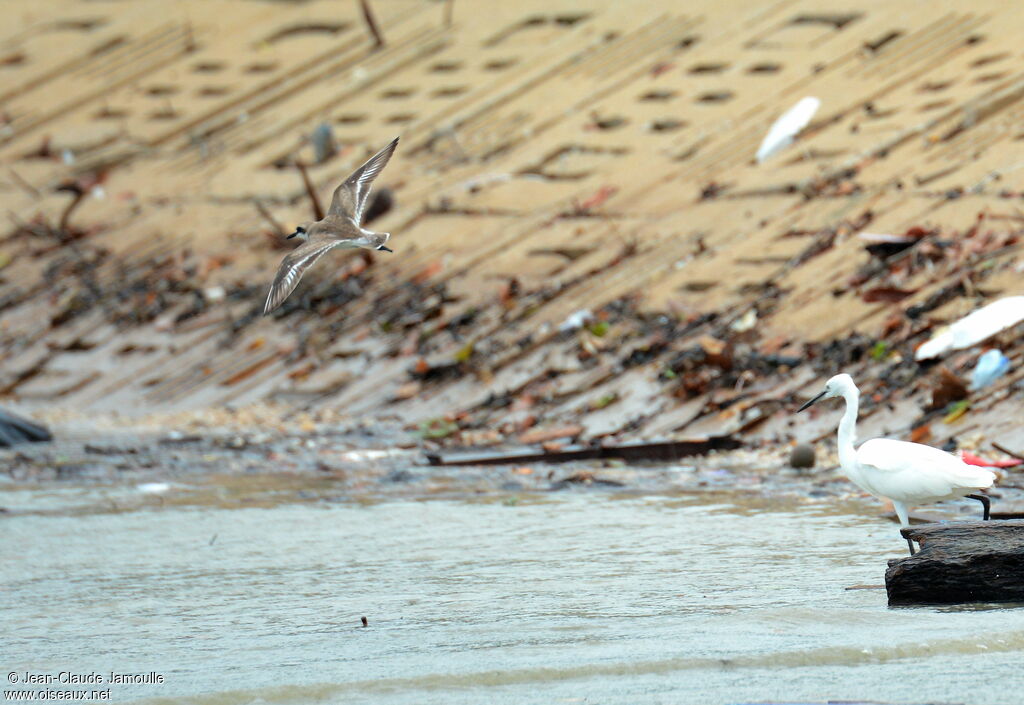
(576, 320)
(886, 238)
(992, 365)
(975, 327)
(784, 130)
(214, 294)
(745, 322)
(153, 487)
(972, 459)
(361, 456)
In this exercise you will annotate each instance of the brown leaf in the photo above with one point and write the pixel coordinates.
(947, 388)
(302, 372)
(542, 435)
(886, 293)
(921, 434)
(406, 391)
(432, 269)
(716, 352)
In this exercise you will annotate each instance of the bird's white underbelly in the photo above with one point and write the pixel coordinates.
(906, 487)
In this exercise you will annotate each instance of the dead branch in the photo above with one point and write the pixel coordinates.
(371, 24)
(318, 210)
(274, 225)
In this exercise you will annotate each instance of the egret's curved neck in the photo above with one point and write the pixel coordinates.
(848, 428)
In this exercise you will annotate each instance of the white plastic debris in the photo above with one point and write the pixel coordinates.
(975, 327)
(153, 487)
(214, 294)
(362, 456)
(745, 322)
(576, 320)
(784, 130)
(887, 239)
(991, 366)
(67, 156)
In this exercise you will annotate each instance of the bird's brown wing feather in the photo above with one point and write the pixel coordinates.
(350, 198)
(293, 266)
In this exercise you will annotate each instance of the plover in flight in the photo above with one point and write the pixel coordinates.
(339, 228)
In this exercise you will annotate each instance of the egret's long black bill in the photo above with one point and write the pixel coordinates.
(386, 249)
(810, 402)
(292, 235)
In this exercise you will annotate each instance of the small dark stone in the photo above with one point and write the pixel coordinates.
(802, 456)
(399, 476)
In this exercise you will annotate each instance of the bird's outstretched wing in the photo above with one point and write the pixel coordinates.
(293, 266)
(350, 198)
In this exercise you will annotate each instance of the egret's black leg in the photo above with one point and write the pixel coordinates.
(911, 544)
(984, 503)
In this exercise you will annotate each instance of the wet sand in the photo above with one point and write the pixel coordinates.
(260, 455)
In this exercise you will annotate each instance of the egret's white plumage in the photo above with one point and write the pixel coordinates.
(909, 474)
(785, 129)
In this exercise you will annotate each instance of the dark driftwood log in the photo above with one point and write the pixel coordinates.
(659, 450)
(967, 561)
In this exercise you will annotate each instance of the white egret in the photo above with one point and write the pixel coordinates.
(908, 474)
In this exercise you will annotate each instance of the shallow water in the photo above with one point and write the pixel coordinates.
(569, 597)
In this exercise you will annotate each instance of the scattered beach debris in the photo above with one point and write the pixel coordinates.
(974, 328)
(153, 487)
(670, 326)
(972, 459)
(576, 320)
(991, 366)
(745, 322)
(785, 129)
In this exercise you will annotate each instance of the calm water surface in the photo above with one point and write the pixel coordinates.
(568, 598)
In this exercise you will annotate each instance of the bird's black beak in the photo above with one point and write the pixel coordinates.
(386, 249)
(810, 402)
(292, 235)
